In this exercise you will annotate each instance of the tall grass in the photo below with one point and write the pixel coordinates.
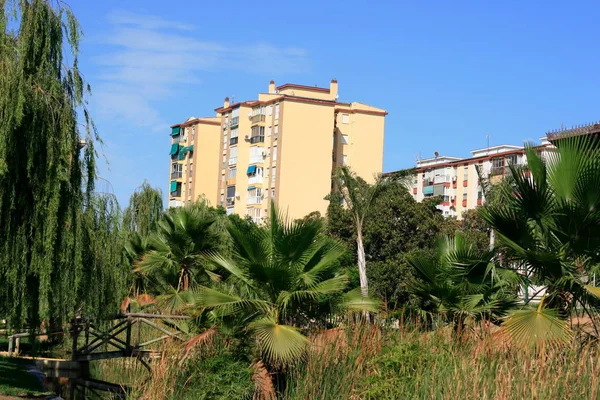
(396, 364)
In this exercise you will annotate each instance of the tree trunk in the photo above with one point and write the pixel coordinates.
(492, 239)
(362, 263)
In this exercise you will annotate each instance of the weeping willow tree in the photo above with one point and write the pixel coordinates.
(106, 273)
(43, 123)
(144, 210)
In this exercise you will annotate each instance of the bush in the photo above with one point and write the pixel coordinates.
(219, 377)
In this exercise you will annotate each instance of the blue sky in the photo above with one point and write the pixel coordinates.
(448, 72)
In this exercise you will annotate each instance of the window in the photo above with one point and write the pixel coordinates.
(466, 174)
(344, 160)
(511, 159)
(274, 157)
(480, 194)
(269, 110)
(277, 111)
(275, 132)
(193, 133)
(273, 192)
(233, 155)
(191, 167)
(232, 172)
(345, 118)
(230, 192)
(225, 138)
(344, 139)
(222, 198)
(497, 162)
(235, 133)
(269, 131)
(224, 145)
(273, 174)
(464, 197)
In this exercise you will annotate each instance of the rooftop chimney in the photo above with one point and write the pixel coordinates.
(226, 102)
(333, 89)
(272, 86)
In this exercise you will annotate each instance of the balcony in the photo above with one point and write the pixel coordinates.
(257, 118)
(230, 201)
(233, 140)
(255, 179)
(257, 220)
(176, 174)
(257, 139)
(229, 211)
(256, 159)
(235, 121)
(232, 161)
(498, 171)
(177, 193)
(254, 200)
(442, 179)
(175, 203)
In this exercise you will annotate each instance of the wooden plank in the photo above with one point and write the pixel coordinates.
(153, 341)
(160, 328)
(153, 316)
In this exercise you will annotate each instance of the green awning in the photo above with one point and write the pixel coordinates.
(251, 187)
(175, 131)
(251, 169)
(427, 189)
(174, 149)
(187, 149)
(173, 186)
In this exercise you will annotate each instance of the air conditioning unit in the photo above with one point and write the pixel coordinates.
(246, 138)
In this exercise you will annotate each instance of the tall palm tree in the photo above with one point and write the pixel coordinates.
(174, 258)
(281, 280)
(359, 196)
(461, 282)
(549, 222)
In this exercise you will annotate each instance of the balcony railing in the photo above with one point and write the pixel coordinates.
(256, 159)
(257, 220)
(175, 194)
(176, 174)
(257, 118)
(234, 121)
(230, 201)
(257, 139)
(254, 200)
(233, 140)
(229, 211)
(255, 179)
(497, 170)
(442, 179)
(232, 160)
(175, 203)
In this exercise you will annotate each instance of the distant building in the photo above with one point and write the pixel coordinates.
(282, 146)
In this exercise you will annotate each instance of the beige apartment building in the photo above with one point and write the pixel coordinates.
(456, 179)
(283, 146)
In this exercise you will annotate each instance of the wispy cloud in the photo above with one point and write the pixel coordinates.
(146, 57)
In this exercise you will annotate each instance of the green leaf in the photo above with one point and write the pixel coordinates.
(537, 327)
(281, 344)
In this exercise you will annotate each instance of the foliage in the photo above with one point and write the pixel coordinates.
(548, 222)
(173, 261)
(221, 376)
(144, 210)
(105, 277)
(278, 280)
(460, 282)
(41, 172)
(475, 230)
(16, 381)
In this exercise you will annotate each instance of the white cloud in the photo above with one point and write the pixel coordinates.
(148, 56)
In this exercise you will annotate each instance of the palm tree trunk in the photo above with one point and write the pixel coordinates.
(362, 263)
(492, 239)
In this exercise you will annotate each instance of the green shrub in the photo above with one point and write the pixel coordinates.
(220, 377)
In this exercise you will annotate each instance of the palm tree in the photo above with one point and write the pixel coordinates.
(548, 223)
(460, 282)
(173, 260)
(281, 280)
(359, 196)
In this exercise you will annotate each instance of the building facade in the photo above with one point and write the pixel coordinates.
(283, 146)
(456, 180)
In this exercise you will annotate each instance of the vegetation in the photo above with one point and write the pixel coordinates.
(278, 310)
(16, 381)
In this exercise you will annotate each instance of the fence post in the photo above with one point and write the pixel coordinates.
(10, 345)
(128, 338)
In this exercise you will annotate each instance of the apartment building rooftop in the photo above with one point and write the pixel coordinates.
(578, 130)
